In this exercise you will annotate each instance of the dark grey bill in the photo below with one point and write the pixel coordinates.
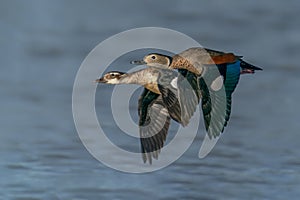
(100, 80)
(138, 62)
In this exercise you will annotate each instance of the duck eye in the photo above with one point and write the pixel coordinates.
(112, 75)
(153, 57)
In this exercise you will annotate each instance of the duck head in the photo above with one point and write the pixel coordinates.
(154, 60)
(112, 77)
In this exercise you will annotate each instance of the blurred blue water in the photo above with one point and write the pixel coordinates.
(42, 46)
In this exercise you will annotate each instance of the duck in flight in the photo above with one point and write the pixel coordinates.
(160, 102)
(218, 75)
(164, 98)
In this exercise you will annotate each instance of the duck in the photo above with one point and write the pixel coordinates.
(218, 75)
(160, 102)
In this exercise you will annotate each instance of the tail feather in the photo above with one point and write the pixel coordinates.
(248, 68)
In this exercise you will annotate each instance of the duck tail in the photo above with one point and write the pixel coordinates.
(248, 68)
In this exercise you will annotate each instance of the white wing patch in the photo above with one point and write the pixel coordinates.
(174, 83)
(217, 83)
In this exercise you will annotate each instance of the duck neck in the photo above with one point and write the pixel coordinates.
(145, 77)
(179, 62)
(133, 78)
(140, 77)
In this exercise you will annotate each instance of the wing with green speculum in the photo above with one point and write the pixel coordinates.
(231, 79)
(214, 109)
(216, 104)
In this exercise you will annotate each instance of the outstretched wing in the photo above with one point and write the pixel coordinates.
(154, 124)
(217, 88)
(213, 100)
(167, 85)
(213, 108)
(178, 94)
(188, 93)
(170, 99)
(231, 74)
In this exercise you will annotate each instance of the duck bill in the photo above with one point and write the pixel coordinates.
(138, 62)
(100, 80)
